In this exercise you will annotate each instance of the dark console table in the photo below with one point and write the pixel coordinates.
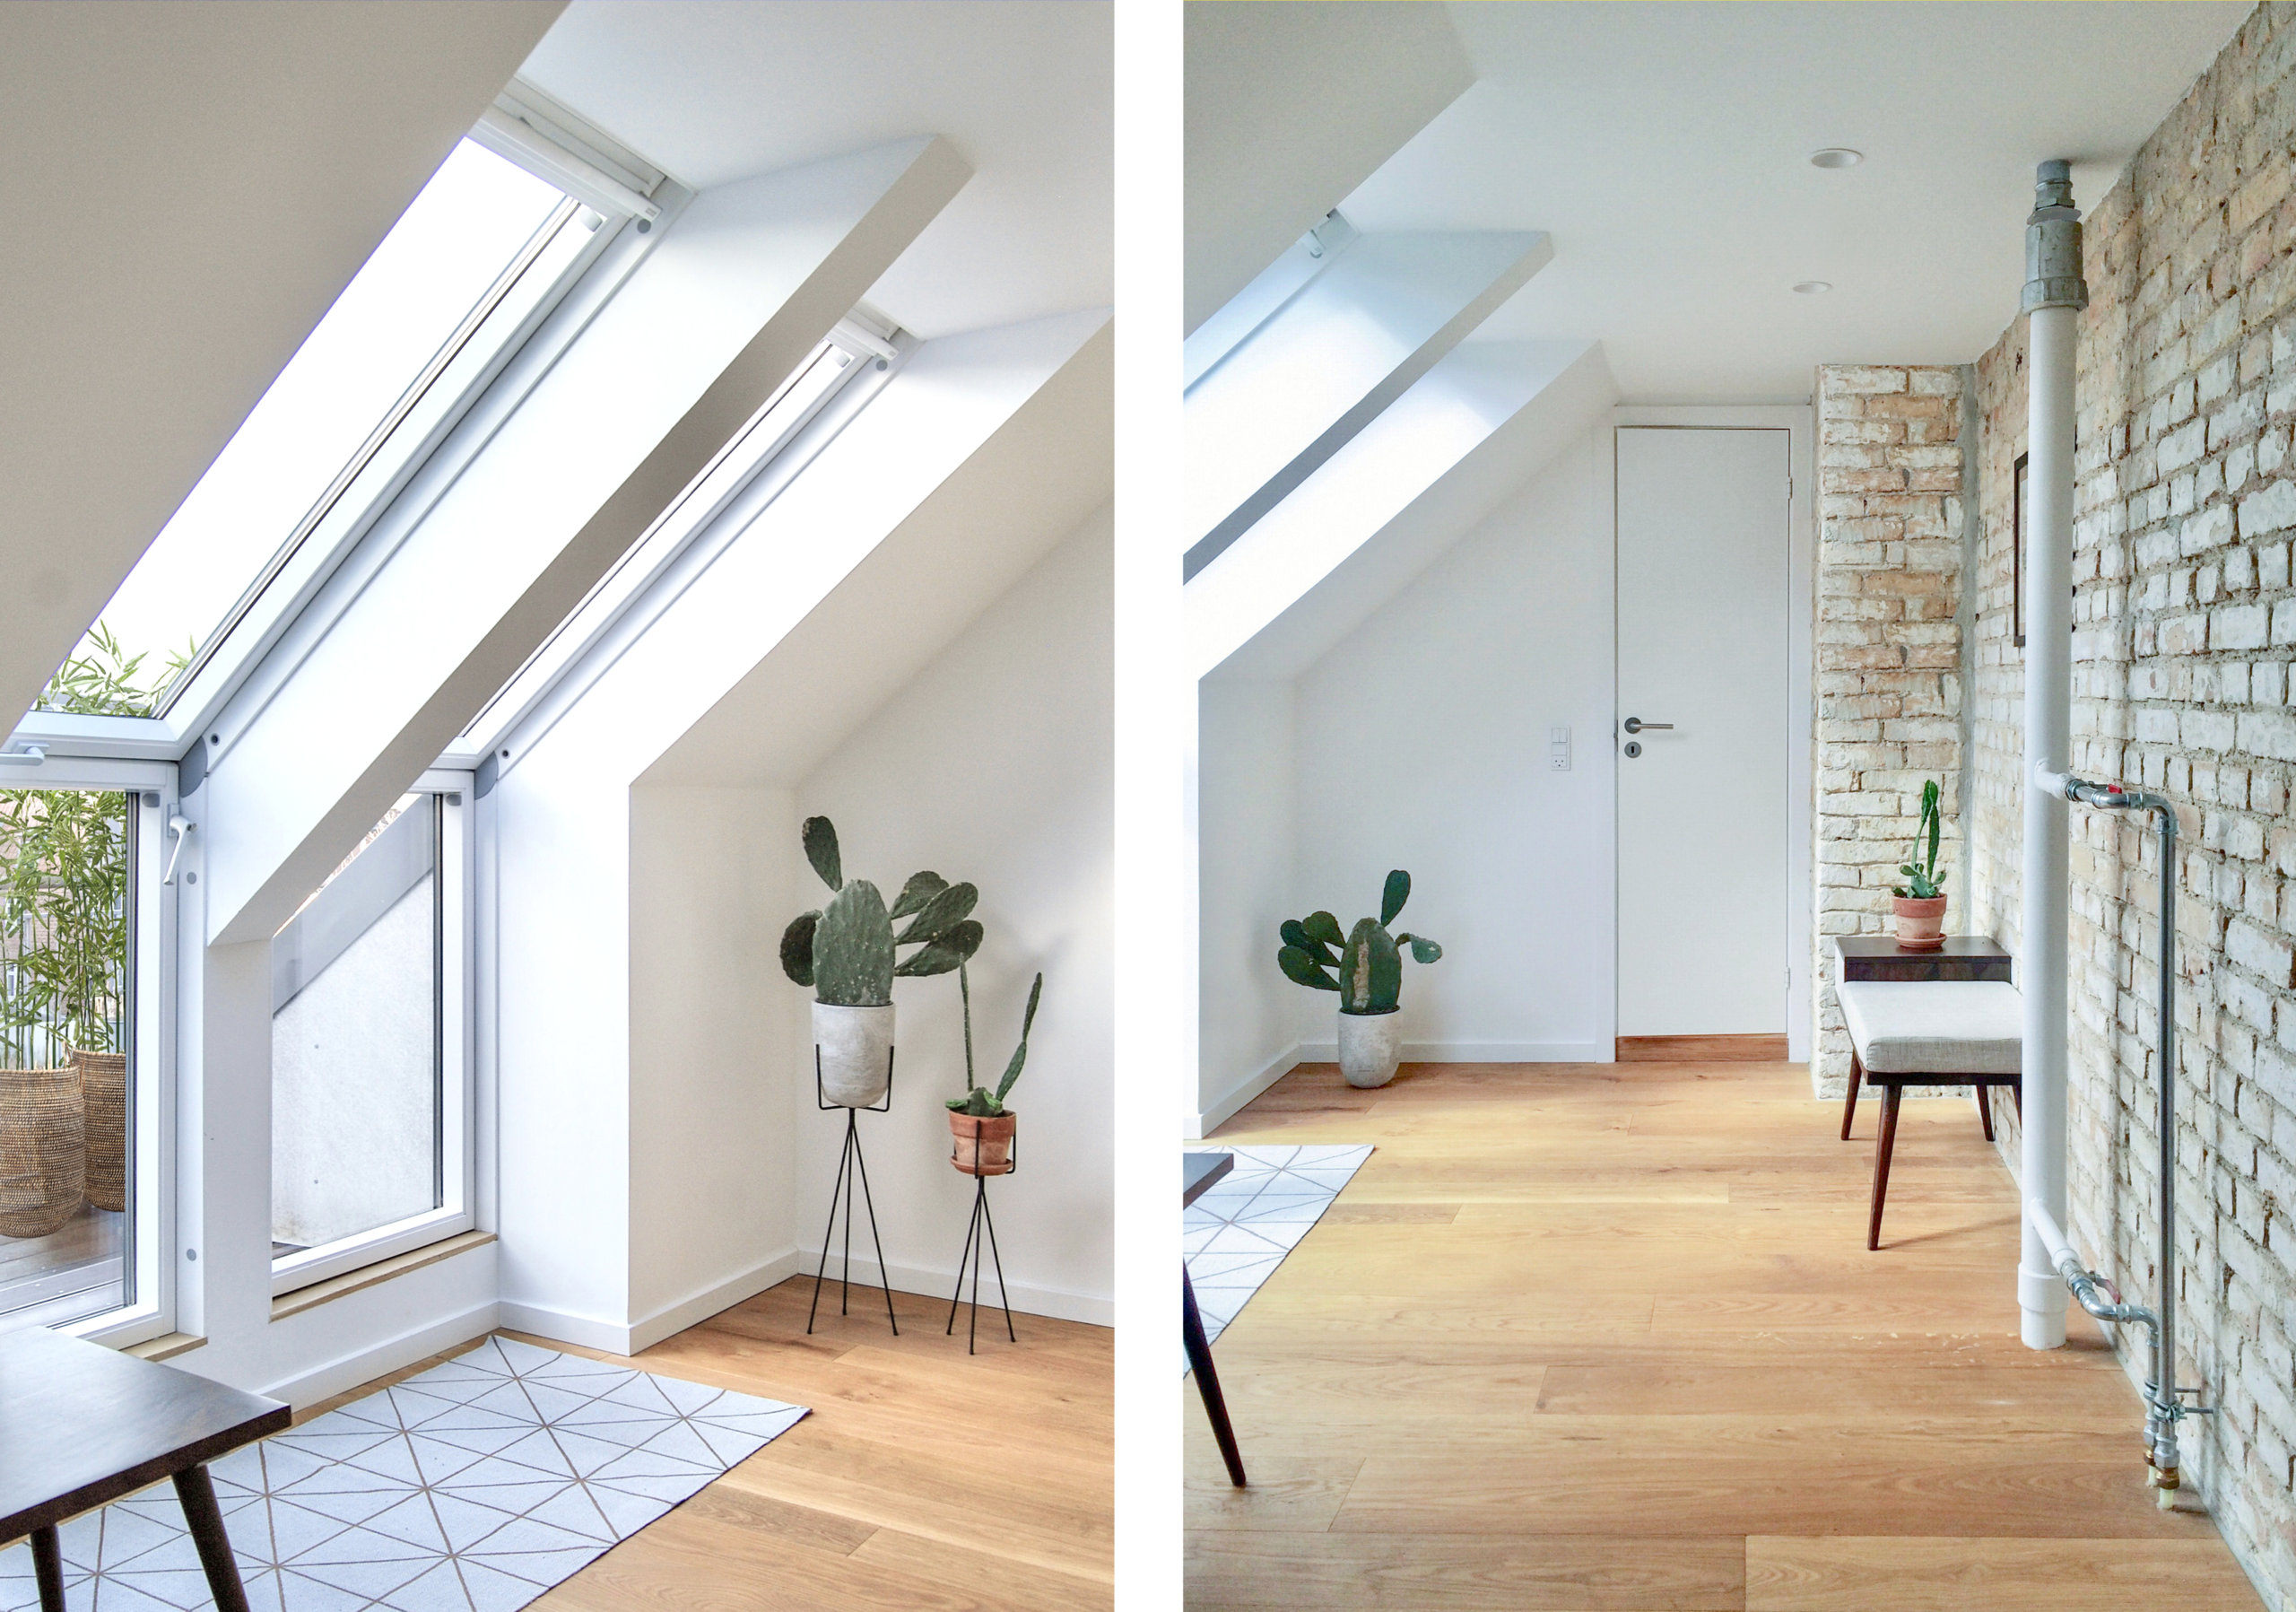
(1878, 957)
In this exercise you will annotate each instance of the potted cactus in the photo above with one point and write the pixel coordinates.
(848, 951)
(1368, 964)
(979, 1121)
(1920, 906)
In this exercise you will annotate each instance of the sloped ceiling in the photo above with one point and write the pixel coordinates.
(1289, 108)
(721, 90)
(189, 188)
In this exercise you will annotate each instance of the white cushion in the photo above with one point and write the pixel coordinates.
(1935, 1026)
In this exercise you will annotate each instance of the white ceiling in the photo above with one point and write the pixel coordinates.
(189, 188)
(1666, 147)
(713, 91)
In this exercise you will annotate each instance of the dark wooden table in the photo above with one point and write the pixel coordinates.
(80, 1425)
(1198, 1171)
(1878, 957)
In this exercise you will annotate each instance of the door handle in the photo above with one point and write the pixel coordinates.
(1636, 724)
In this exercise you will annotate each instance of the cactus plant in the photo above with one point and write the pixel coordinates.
(979, 1100)
(848, 951)
(1923, 881)
(1365, 964)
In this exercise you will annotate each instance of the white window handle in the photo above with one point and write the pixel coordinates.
(180, 827)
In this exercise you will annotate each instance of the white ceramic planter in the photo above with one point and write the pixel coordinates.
(1369, 1044)
(854, 1046)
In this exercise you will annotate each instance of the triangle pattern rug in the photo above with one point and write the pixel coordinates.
(1238, 1232)
(473, 1487)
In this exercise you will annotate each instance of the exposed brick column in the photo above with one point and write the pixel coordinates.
(1888, 683)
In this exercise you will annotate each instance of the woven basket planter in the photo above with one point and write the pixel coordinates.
(43, 1151)
(103, 1090)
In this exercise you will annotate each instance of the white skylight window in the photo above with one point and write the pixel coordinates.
(483, 236)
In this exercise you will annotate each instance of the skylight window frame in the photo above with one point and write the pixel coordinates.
(745, 475)
(570, 213)
(403, 477)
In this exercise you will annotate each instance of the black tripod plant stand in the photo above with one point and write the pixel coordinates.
(850, 1167)
(983, 1231)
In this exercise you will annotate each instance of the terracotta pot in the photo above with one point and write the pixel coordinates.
(855, 1047)
(103, 1085)
(1921, 924)
(1369, 1045)
(43, 1153)
(983, 1146)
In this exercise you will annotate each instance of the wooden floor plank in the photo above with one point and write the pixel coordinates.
(1900, 1574)
(1580, 1336)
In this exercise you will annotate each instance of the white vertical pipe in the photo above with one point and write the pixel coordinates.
(2054, 295)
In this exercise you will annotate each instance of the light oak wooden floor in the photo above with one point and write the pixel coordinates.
(1607, 1338)
(923, 1479)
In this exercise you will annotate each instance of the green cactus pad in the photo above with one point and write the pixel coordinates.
(797, 947)
(1303, 970)
(1021, 1052)
(921, 888)
(1323, 926)
(853, 948)
(1370, 974)
(939, 915)
(1295, 933)
(1422, 950)
(820, 850)
(1393, 896)
(943, 953)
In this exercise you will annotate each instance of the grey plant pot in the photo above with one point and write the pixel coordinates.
(1369, 1046)
(854, 1046)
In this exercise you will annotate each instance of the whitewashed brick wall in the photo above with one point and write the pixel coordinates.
(2184, 629)
(1888, 678)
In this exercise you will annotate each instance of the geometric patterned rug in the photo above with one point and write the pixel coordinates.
(1238, 1232)
(473, 1487)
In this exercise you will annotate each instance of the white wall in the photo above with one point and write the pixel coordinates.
(709, 1139)
(1248, 1022)
(994, 765)
(1423, 744)
(1419, 740)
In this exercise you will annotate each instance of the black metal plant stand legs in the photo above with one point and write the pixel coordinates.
(850, 1165)
(981, 1222)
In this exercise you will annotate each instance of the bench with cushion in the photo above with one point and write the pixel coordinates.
(1927, 1033)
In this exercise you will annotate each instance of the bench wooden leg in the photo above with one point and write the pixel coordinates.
(1985, 1109)
(1890, 1096)
(1850, 1107)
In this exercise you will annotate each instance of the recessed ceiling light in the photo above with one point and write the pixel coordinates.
(1811, 288)
(1836, 156)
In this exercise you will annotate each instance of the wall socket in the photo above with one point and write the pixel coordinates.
(1558, 749)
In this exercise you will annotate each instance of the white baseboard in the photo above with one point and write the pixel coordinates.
(1221, 1109)
(672, 1319)
(614, 1338)
(1481, 1052)
(364, 1366)
(1058, 1303)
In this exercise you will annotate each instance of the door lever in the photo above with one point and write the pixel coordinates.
(1636, 724)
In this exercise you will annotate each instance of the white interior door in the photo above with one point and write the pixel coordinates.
(1702, 787)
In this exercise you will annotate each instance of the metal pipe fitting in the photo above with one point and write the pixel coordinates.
(2164, 1409)
(2053, 242)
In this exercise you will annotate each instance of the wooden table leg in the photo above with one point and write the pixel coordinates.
(1890, 1096)
(1207, 1380)
(1850, 1109)
(47, 1566)
(199, 1510)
